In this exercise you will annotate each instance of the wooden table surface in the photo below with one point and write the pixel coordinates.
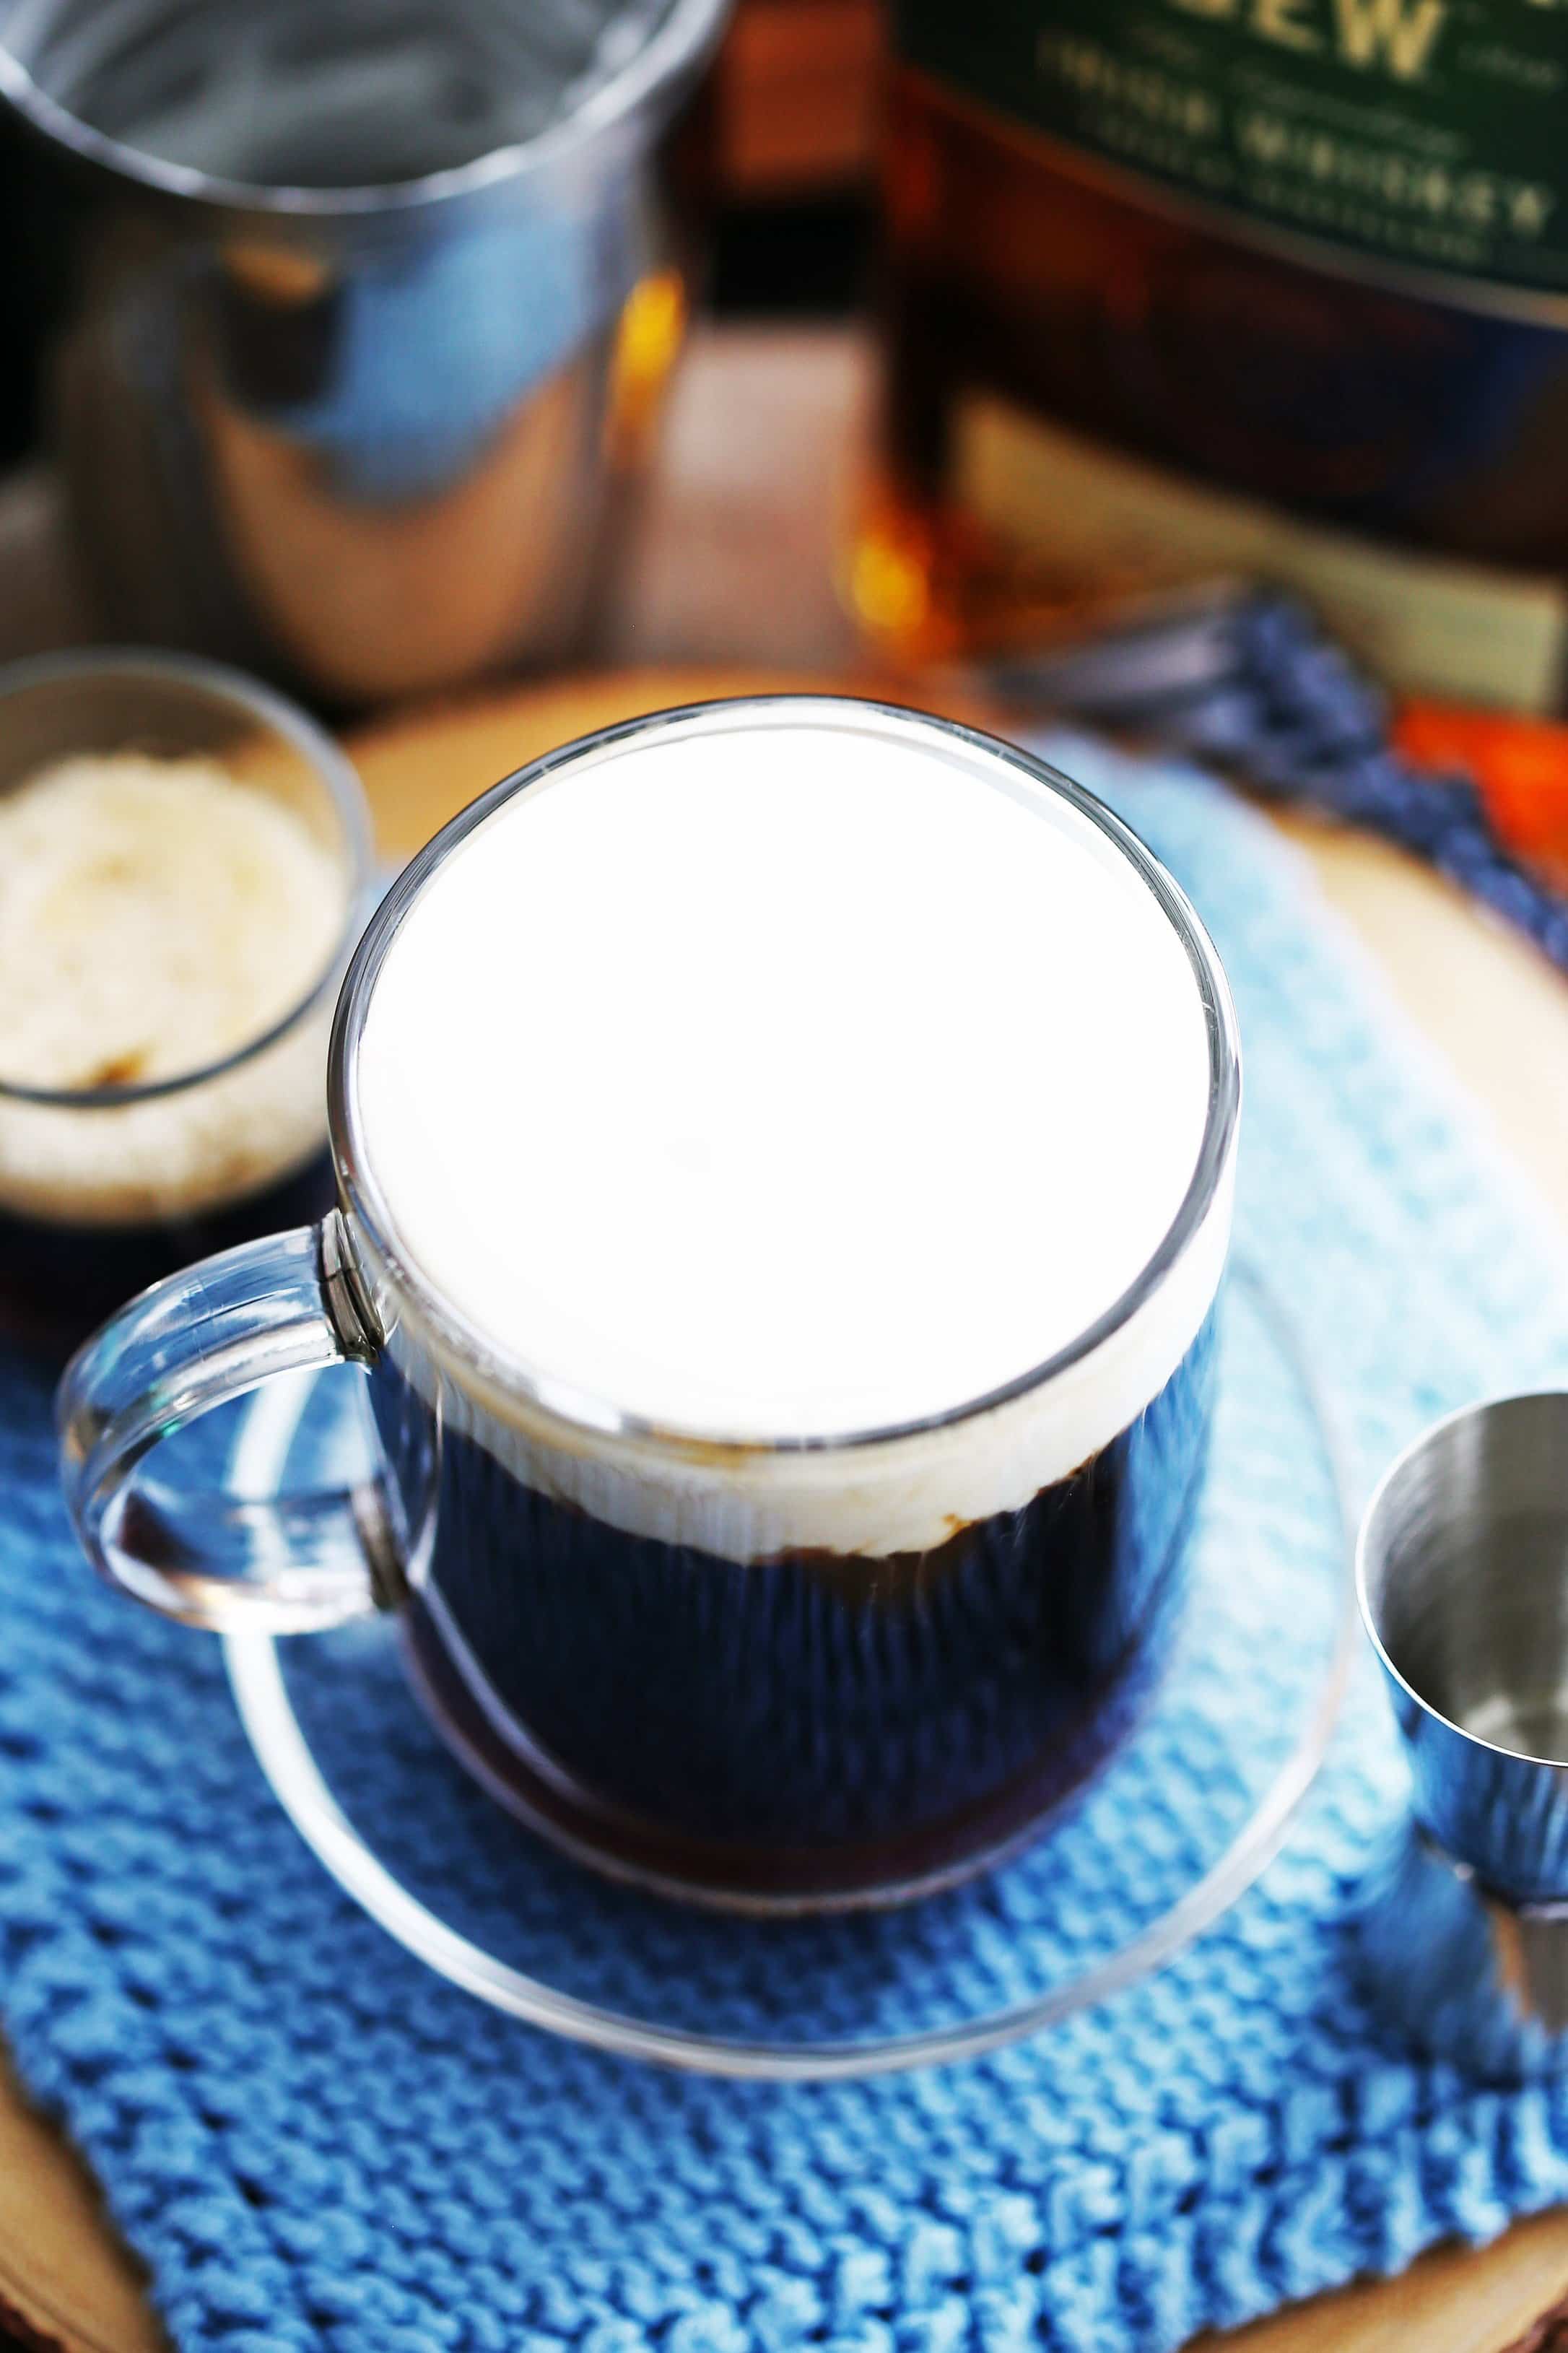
(760, 455)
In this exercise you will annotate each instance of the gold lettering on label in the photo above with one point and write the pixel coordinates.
(1263, 137)
(1530, 207)
(1280, 20)
(1398, 34)
(1395, 36)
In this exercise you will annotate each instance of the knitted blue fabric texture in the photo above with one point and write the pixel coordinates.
(314, 2143)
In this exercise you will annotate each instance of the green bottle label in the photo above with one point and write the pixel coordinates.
(1432, 134)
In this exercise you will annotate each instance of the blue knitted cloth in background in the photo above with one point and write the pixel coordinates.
(315, 2143)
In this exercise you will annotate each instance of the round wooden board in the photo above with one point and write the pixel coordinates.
(420, 769)
(65, 2284)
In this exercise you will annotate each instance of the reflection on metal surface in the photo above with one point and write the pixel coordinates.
(376, 594)
(1462, 1974)
(1462, 1924)
(376, 441)
(648, 337)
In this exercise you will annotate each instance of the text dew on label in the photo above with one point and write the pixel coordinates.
(1396, 36)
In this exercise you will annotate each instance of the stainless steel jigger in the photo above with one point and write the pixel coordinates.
(1462, 1572)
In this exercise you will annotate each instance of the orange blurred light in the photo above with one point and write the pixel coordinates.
(1521, 766)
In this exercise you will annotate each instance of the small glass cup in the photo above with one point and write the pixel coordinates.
(106, 1189)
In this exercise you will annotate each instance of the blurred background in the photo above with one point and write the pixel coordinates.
(1106, 302)
(131, 508)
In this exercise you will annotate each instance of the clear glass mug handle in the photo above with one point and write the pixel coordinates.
(192, 1342)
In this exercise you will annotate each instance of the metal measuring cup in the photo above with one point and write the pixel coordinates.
(1462, 1573)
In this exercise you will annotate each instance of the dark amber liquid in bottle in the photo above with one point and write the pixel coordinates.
(1343, 396)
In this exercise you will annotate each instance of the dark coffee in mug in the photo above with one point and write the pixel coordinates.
(813, 1725)
(788, 1156)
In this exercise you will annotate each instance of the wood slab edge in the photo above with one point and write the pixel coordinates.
(1550, 2334)
(68, 2282)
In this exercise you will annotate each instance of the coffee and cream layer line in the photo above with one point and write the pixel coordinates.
(907, 1494)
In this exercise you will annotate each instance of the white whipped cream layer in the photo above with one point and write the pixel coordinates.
(788, 1072)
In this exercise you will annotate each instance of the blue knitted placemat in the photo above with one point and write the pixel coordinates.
(315, 2143)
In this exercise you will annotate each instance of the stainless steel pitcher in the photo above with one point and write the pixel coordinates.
(373, 440)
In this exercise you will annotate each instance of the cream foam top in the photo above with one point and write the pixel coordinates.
(156, 917)
(781, 1076)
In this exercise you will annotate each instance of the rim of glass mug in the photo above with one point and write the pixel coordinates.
(215, 683)
(512, 1376)
(651, 80)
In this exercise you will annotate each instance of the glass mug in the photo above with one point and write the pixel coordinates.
(707, 1664)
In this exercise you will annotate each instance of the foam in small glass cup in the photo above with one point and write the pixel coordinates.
(104, 1189)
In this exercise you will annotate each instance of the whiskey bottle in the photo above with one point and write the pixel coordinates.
(1180, 288)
